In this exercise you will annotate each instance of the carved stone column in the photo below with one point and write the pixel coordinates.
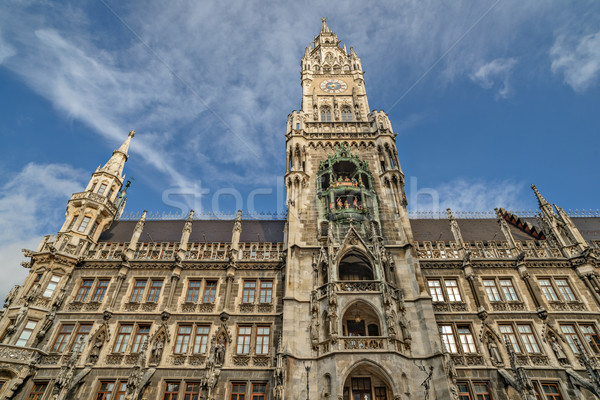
(174, 279)
(120, 278)
(229, 279)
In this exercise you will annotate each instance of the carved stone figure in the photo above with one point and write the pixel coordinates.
(391, 321)
(220, 353)
(12, 295)
(19, 318)
(157, 349)
(494, 352)
(558, 350)
(96, 348)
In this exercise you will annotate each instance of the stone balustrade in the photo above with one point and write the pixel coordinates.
(487, 250)
(195, 252)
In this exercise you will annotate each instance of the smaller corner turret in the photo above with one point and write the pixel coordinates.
(92, 211)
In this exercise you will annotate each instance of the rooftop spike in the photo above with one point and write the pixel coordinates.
(324, 27)
(117, 161)
(541, 200)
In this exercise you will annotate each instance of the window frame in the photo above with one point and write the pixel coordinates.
(49, 291)
(210, 291)
(522, 344)
(26, 329)
(186, 337)
(243, 345)
(559, 290)
(247, 290)
(579, 337)
(62, 338)
(137, 291)
(39, 394)
(447, 292)
(173, 394)
(202, 346)
(136, 345)
(84, 223)
(78, 333)
(154, 288)
(499, 290)
(100, 290)
(256, 395)
(540, 392)
(122, 338)
(458, 345)
(84, 290)
(261, 338)
(193, 292)
(106, 393)
(238, 393)
(266, 287)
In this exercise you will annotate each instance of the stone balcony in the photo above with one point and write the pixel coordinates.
(10, 354)
(95, 198)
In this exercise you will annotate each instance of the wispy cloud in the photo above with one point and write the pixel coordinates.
(468, 195)
(578, 59)
(31, 205)
(495, 75)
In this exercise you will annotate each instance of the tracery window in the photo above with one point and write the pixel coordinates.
(325, 114)
(346, 114)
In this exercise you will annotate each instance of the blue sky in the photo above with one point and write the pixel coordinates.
(486, 97)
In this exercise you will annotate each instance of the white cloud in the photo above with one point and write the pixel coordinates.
(467, 195)
(578, 58)
(495, 74)
(32, 204)
(6, 50)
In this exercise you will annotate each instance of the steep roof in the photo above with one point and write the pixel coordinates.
(202, 231)
(272, 230)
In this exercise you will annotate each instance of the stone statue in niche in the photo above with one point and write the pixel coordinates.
(220, 352)
(96, 348)
(561, 356)
(494, 352)
(157, 349)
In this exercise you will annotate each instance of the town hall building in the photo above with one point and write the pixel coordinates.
(346, 299)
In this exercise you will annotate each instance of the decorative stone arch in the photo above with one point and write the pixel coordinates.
(368, 310)
(366, 366)
(355, 247)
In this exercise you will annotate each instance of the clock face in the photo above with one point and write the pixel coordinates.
(333, 86)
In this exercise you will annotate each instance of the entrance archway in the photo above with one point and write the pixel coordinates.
(367, 381)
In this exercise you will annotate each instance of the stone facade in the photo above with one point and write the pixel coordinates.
(346, 299)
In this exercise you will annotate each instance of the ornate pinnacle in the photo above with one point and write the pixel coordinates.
(541, 200)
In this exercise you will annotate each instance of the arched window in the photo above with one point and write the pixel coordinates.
(346, 114)
(354, 267)
(325, 114)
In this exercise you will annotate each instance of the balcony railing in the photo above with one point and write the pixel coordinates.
(487, 250)
(363, 343)
(195, 252)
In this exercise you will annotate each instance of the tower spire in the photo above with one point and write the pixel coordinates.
(117, 161)
(324, 27)
(542, 202)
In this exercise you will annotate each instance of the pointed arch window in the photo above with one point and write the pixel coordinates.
(346, 114)
(325, 114)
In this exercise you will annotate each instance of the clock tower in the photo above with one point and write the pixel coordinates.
(357, 320)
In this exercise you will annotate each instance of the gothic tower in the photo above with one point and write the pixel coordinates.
(355, 308)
